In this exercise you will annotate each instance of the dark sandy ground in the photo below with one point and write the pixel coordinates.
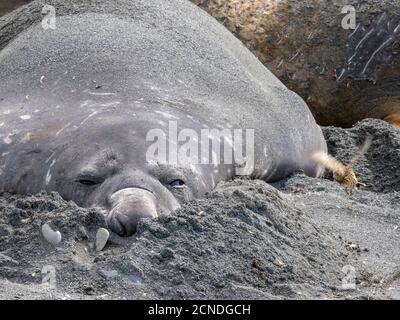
(301, 238)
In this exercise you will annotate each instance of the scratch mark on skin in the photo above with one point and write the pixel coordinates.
(25, 117)
(167, 115)
(111, 104)
(1, 124)
(341, 74)
(62, 129)
(370, 47)
(49, 158)
(364, 39)
(375, 53)
(85, 103)
(87, 118)
(170, 101)
(355, 31)
(48, 175)
(99, 93)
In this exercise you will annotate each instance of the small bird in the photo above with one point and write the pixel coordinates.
(343, 174)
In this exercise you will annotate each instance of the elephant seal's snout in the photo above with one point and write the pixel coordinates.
(128, 206)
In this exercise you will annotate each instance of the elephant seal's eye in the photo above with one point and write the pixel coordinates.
(177, 184)
(87, 182)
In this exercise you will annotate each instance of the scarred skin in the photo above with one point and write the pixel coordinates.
(77, 104)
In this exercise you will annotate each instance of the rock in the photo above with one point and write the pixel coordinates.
(167, 253)
(108, 274)
(88, 290)
(7, 260)
(5, 230)
(101, 238)
(82, 233)
(83, 267)
(16, 217)
(54, 237)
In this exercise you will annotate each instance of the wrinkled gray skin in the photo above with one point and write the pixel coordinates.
(77, 102)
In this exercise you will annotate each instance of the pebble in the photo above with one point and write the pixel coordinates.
(82, 233)
(88, 290)
(7, 260)
(108, 274)
(167, 253)
(101, 238)
(54, 237)
(5, 230)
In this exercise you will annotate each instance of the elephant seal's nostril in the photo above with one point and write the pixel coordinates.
(115, 225)
(125, 224)
(129, 206)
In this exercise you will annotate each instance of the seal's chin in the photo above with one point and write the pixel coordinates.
(128, 206)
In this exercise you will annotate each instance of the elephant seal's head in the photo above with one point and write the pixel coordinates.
(105, 162)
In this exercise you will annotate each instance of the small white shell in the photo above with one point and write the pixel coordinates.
(101, 239)
(54, 237)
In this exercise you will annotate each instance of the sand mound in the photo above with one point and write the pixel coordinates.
(379, 169)
(243, 241)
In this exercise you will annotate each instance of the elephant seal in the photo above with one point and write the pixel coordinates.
(78, 103)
